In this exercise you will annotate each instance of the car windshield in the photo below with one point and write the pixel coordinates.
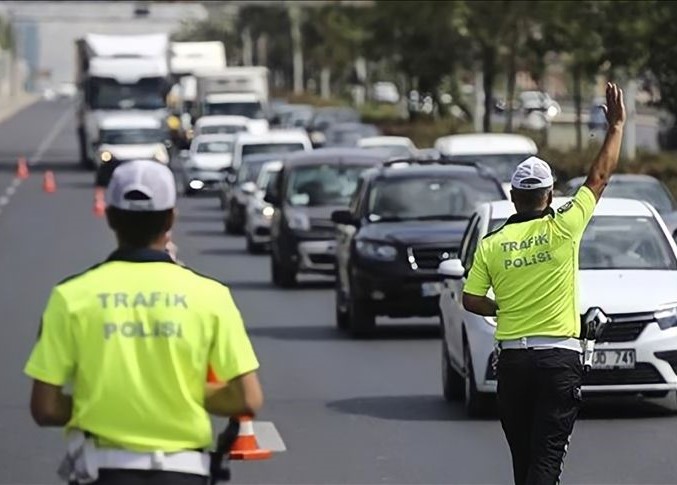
(429, 197)
(109, 94)
(502, 165)
(265, 177)
(256, 148)
(249, 171)
(323, 185)
(135, 136)
(621, 242)
(252, 109)
(214, 147)
(222, 129)
(652, 192)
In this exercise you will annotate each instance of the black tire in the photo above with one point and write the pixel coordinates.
(252, 247)
(477, 404)
(361, 318)
(453, 384)
(283, 276)
(342, 316)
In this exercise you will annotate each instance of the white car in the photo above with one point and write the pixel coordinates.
(628, 269)
(131, 136)
(274, 141)
(499, 152)
(395, 146)
(206, 163)
(225, 124)
(259, 212)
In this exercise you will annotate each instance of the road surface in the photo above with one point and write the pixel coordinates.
(350, 412)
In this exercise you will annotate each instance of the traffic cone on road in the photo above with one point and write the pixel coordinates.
(99, 208)
(22, 168)
(245, 446)
(48, 183)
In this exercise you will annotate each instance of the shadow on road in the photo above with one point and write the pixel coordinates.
(404, 408)
(625, 408)
(70, 166)
(79, 185)
(225, 251)
(199, 218)
(206, 232)
(323, 333)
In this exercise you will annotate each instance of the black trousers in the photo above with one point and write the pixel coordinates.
(147, 477)
(539, 395)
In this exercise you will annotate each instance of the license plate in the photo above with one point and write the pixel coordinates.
(431, 289)
(613, 359)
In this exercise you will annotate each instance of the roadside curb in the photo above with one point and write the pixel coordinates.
(15, 105)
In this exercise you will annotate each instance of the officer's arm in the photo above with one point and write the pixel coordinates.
(49, 405)
(241, 395)
(607, 159)
(480, 305)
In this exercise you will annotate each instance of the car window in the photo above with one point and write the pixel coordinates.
(256, 148)
(651, 191)
(357, 195)
(323, 185)
(214, 147)
(430, 197)
(133, 136)
(222, 129)
(501, 165)
(249, 171)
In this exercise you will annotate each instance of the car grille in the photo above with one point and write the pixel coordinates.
(322, 228)
(643, 373)
(429, 257)
(322, 258)
(625, 327)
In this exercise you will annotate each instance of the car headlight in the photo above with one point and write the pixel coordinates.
(666, 318)
(105, 156)
(161, 155)
(317, 137)
(299, 221)
(267, 212)
(552, 111)
(374, 250)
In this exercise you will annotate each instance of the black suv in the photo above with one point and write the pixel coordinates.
(310, 187)
(403, 221)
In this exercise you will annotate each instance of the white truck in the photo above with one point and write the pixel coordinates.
(188, 60)
(117, 73)
(239, 91)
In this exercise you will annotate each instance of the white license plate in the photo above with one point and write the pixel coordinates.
(614, 359)
(432, 289)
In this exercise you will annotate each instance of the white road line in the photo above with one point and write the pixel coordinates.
(16, 182)
(10, 190)
(4, 200)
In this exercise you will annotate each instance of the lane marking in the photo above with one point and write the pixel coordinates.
(37, 156)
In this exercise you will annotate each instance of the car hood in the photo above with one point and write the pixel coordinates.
(211, 161)
(627, 291)
(416, 232)
(127, 152)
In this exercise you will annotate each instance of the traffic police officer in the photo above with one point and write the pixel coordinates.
(531, 263)
(135, 335)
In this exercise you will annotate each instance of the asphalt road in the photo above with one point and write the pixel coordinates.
(353, 412)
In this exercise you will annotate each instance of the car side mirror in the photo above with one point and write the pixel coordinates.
(344, 217)
(453, 268)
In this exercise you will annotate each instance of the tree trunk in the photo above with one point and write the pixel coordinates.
(488, 68)
(577, 106)
(512, 68)
(247, 47)
(262, 50)
(297, 47)
(325, 84)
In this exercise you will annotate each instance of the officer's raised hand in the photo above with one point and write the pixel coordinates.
(614, 108)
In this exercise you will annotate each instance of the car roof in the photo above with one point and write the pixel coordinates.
(212, 120)
(214, 137)
(605, 207)
(485, 144)
(407, 170)
(376, 141)
(273, 136)
(353, 156)
(129, 121)
(618, 177)
(272, 166)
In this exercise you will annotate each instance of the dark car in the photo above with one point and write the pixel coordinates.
(324, 118)
(348, 134)
(310, 186)
(402, 222)
(238, 187)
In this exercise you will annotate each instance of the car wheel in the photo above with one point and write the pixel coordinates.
(453, 384)
(477, 404)
(252, 247)
(283, 276)
(342, 317)
(361, 318)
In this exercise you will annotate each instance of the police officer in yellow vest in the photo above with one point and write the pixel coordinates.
(531, 263)
(135, 335)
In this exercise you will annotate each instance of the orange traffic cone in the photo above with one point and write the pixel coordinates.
(22, 168)
(99, 203)
(49, 184)
(245, 446)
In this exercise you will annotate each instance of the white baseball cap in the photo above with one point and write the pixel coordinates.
(141, 185)
(532, 173)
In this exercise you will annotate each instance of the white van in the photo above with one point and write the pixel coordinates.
(497, 151)
(274, 141)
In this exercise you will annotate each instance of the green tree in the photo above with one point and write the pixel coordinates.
(663, 52)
